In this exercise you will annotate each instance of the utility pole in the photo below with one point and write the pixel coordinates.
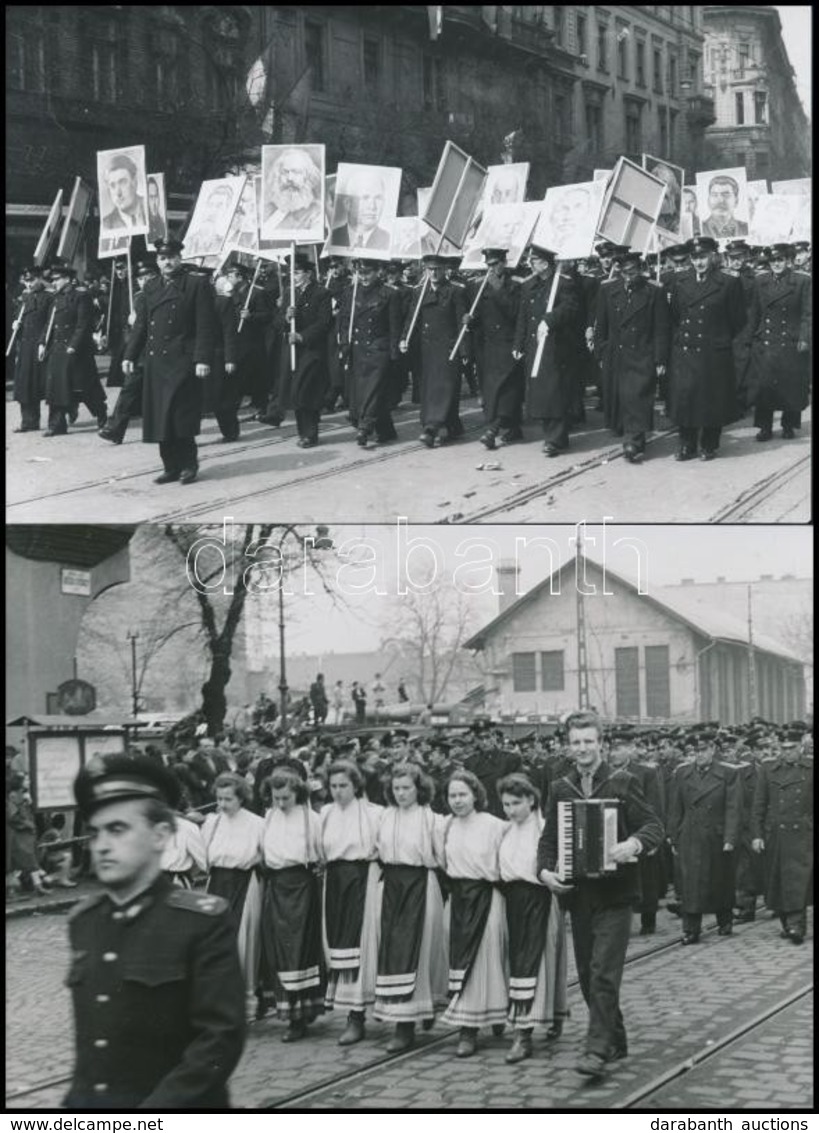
(133, 636)
(752, 693)
(582, 657)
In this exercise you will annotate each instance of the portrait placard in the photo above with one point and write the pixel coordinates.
(243, 234)
(212, 218)
(505, 185)
(756, 189)
(670, 216)
(506, 226)
(800, 189)
(406, 239)
(329, 202)
(774, 216)
(456, 191)
(569, 217)
(722, 196)
(157, 210)
(292, 204)
(48, 236)
(274, 250)
(366, 204)
(123, 191)
(632, 206)
(430, 239)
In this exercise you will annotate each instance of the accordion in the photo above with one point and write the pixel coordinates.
(586, 835)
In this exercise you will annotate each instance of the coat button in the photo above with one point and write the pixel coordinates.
(101, 1043)
(100, 1087)
(109, 957)
(103, 999)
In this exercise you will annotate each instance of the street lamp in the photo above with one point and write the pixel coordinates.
(321, 541)
(133, 637)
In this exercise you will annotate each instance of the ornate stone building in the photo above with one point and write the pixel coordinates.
(760, 120)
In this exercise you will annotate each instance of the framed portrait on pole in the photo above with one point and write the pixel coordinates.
(670, 217)
(506, 226)
(632, 206)
(212, 217)
(723, 202)
(50, 231)
(292, 198)
(78, 208)
(123, 191)
(365, 206)
(157, 210)
(569, 217)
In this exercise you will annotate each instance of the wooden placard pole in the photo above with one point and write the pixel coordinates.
(130, 278)
(542, 343)
(16, 327)
(352, 309)
(472, 311)
(110, 301)
(50, 327)
(246, 308)
(293, 304)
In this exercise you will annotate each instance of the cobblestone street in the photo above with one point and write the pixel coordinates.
(675, 1003)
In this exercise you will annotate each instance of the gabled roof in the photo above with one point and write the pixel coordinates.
(702, 619)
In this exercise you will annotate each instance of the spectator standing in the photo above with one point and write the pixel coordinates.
(359, 696)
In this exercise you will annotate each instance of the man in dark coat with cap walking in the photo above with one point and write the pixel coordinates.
(29, 325)
(174, 327)
(707, 314)
(305, 388)
(632, 336)
(129, 401)
(782, 827)
(441, 313)
(155, 980)
(493, 336)
(780, 332)
(549, 392)
(68, 353)
(704, 827)
(373, 345)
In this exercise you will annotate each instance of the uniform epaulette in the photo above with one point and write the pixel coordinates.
(85, 904)
(206, 903)
(799, 271)
(80, 288)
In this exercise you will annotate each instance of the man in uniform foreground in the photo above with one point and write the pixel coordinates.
(155, 979)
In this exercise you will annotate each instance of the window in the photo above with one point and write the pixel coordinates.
(433, 84)
(560, 25)
(372, 64)
(594, 127)
(658, 690)
(740, 108)
(672, 133)
(658, 72)
(602, 48)
(582, 47)
(314, 53)
(563, 116)
(627, 681)
(662, 114)
(760, 108)
(551, 671)
(744, 56)
(622, 55)
(672, 75)
(523, 672)
(694, 68)
(634, 136)
(25, 59)
(104, 72)
(641, 63)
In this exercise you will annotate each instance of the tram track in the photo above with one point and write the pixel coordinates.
(705, 1054)
(63, 1077)
(747, 502)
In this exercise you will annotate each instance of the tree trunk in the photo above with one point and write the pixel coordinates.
(214, 701)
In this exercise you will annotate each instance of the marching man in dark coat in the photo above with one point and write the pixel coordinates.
(704, 818)
(737, 258)
(174, 327)
(252, 377)
(780, 333)
(782, 827)
(493, 337)
(376, 331)
(71, 371)
(550, 392)
(707, 314)
(129, 401)
(749, 876)
(159, 1002)
(223, 390)
(119, 324)
(30, 324)
(632, 336)
(304, 390)
(439, 321)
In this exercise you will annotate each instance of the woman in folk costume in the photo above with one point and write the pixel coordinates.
(232, 838)
(185, 853)
(292, 965)
(535, 925)
(477, 921)
(412, 965)
(349, 832)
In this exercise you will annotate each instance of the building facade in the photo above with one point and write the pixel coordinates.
(760, 121)
(647, 656)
